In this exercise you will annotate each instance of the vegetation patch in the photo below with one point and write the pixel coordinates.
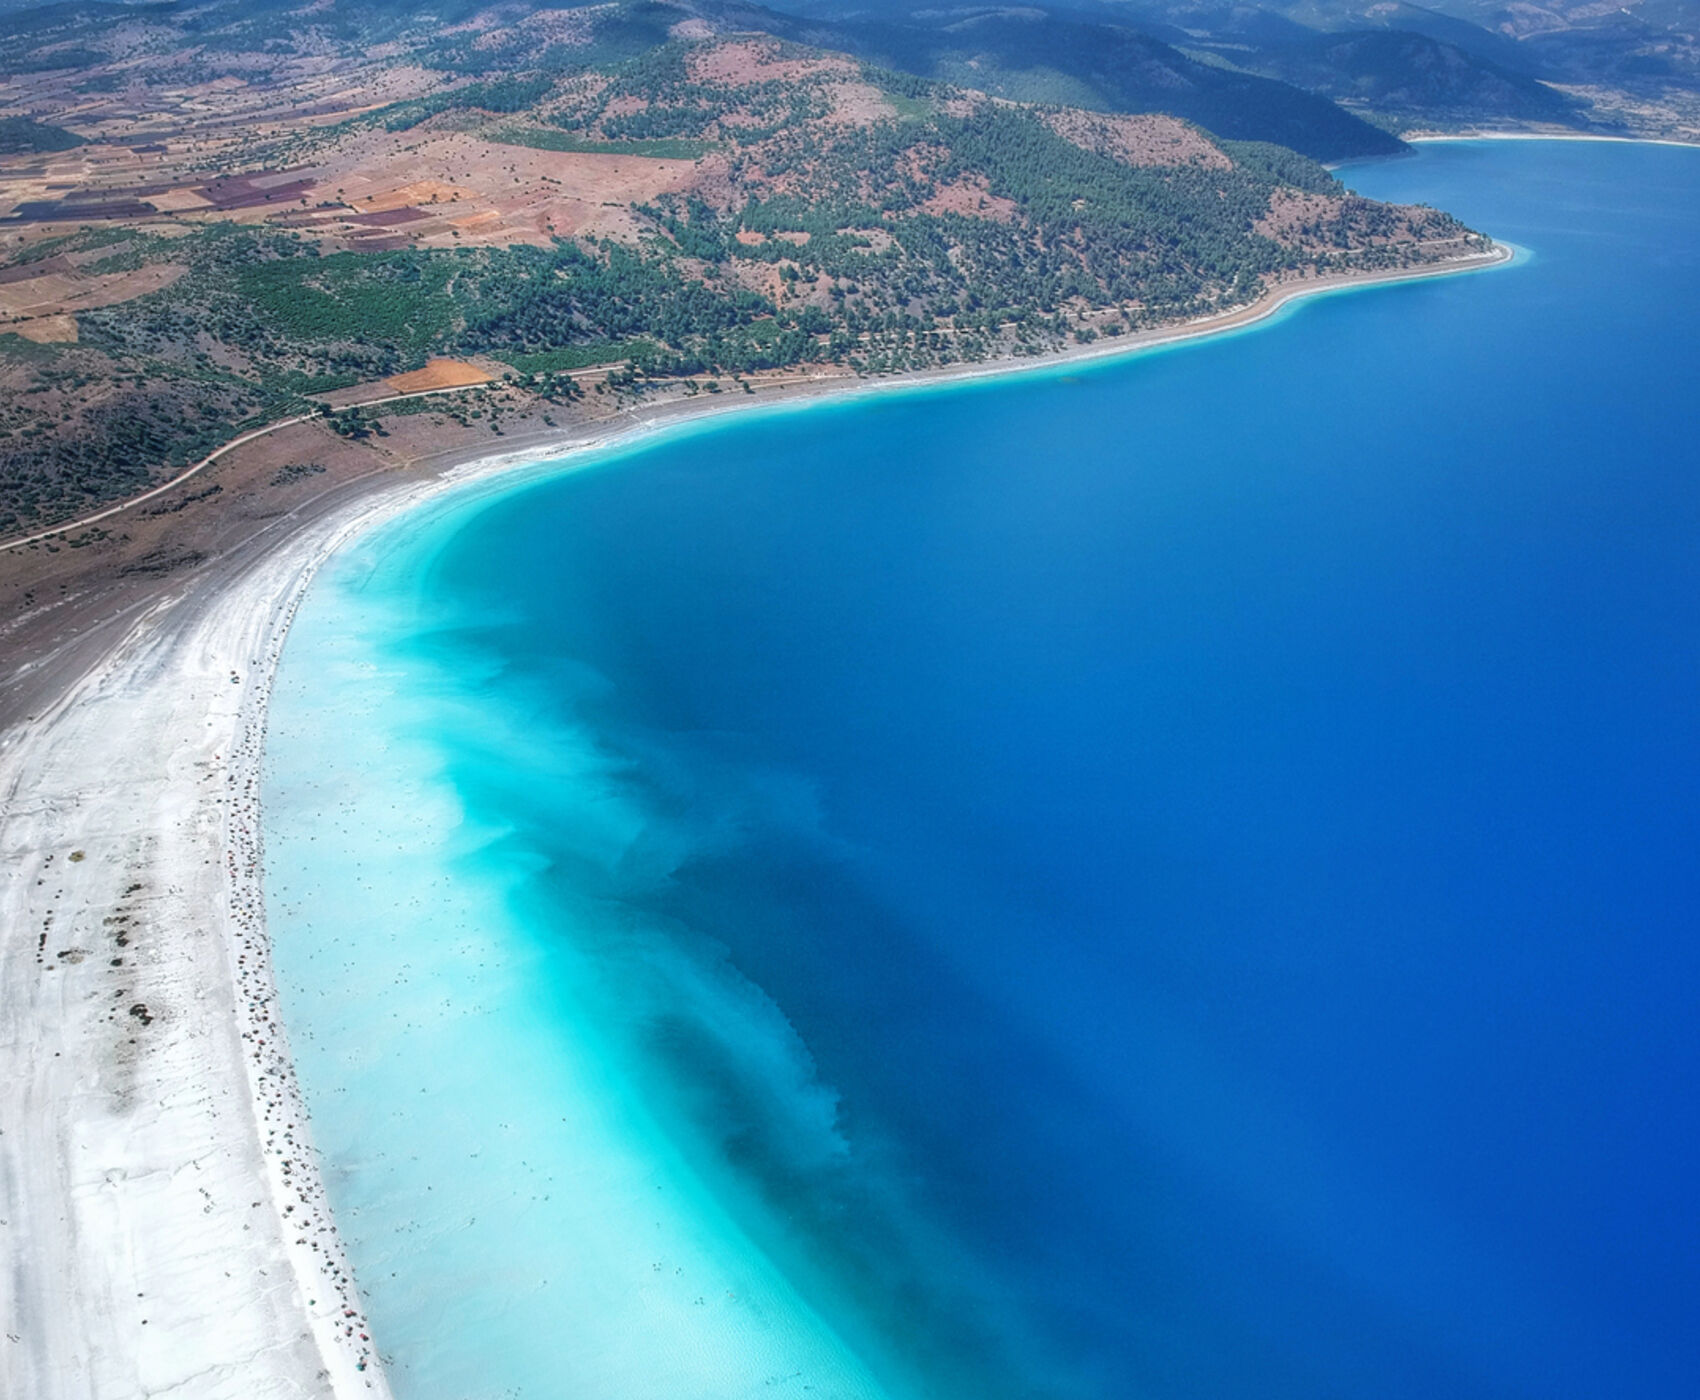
(399, 298)
(21, 136)
(608, 352)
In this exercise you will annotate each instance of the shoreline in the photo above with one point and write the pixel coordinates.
(152, 1091)
(1272, 302)
(1433, 138)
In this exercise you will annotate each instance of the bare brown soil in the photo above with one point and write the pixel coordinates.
(971, 196)
(438, 374)
(858, 104)
(56, 293)
(466, 189)
(1290, 213)
(500, 193)
(47, 330)
(1142, 140)
(742, 61)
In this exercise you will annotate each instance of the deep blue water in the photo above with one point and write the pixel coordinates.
(1172, 879)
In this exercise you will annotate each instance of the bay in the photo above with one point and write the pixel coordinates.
(1170, 877)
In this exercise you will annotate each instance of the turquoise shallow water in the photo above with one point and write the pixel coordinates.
(1174, 878)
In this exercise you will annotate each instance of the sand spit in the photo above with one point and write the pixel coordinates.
(164, 1222)
(164, 1218)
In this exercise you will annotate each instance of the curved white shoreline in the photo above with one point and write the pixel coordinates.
(146, 1258)
(1548, 136)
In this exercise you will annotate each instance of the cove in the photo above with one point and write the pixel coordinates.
(1166, 878)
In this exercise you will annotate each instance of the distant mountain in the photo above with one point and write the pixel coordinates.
(1330, 78)
(1475, 38)
(1641, 46)
(1415, 76)
(1280, 24)
(1632, 68)
(1031, 55)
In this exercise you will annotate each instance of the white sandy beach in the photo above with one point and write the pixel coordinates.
(164, 1220)
(164, 1225)
(1437, 138)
